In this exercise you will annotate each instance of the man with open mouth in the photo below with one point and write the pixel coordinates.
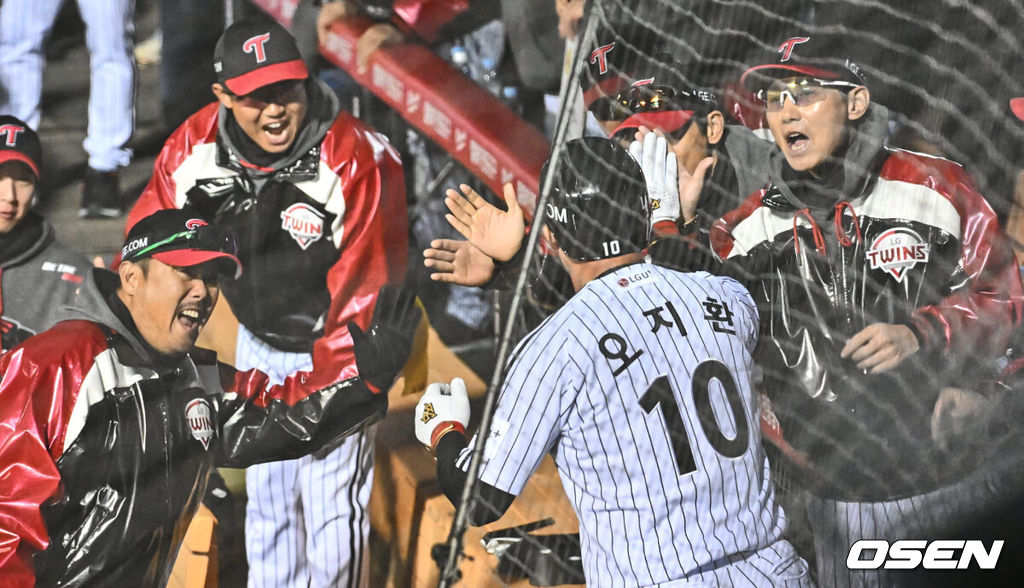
(317, 200)
(111, 421)
(883, 276)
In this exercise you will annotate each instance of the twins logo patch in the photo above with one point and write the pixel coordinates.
(304, 223)
(896, 251)
(200, 421)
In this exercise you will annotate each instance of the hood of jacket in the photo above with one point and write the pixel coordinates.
(28, 239)
(749, 155)
(322, 108)
(846, 180)
(93, 304)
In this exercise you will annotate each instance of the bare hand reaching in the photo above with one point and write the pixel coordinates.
(880, 347)
(497, 233)
(458, 262)
(330, 12)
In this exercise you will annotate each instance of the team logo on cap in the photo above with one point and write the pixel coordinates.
(304, 223)
(786, 48)
(256, 45)
(599, 56)
(194, 223)
(897, 250)
(10, 133)
(200, 421)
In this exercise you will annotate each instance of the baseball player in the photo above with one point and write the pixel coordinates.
(109, 27)
(640, 386)
(39, 273)
(318, 201)
(884, 277)
(112, 421)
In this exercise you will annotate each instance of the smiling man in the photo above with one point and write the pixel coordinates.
(883, 276)
(110, 422)
(317, 200)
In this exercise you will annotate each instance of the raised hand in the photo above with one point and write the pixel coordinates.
(458, 262)
(497, 233)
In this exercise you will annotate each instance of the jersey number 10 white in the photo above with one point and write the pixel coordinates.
(611, 248)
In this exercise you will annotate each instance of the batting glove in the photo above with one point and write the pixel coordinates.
(661, 171)
(441, 409)
(381, 352)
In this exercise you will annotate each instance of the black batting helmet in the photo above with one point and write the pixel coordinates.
(598, 206)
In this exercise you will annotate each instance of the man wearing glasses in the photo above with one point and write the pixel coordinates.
(317, 200)
(883, 276)
(112, 421)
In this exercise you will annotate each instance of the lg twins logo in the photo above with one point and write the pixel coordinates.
(897, 250)
(194, 223)
(256, 45)
(304, 223)
(200, 421)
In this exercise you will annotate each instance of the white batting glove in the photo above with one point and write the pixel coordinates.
(661, 171)
(441, 409)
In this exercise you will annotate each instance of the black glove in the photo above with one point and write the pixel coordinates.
(382, 351)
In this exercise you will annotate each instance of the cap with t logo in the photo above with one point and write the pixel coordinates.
(811, 55)
(256, 52)
(19, 143)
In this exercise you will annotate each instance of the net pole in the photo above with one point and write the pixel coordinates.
(449, 573)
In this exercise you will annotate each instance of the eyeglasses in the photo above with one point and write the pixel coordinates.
(802, 92)
(205, 238)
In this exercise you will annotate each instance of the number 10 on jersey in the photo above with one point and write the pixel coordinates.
(660, 394)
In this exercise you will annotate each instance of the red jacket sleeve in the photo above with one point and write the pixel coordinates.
(160, 192)
(979, 316)
(37, 394)
(373, 249)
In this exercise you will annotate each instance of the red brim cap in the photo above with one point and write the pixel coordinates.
(669, 121)
(264, 76)
(606, 88)
(191, 257)
(754, 82)
(1017, 106)
(11, 155)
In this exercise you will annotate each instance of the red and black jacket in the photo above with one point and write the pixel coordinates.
(908, 241)
(318, 234)
(106, 455)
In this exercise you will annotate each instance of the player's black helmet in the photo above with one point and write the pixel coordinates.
(598, 206)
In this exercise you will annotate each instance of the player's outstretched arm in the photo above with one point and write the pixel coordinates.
(497, 233)
(308, 413)
(458, 262)
(442, 415)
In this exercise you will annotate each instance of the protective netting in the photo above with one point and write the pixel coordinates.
(930, 446)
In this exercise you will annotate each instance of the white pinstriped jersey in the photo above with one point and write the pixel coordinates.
(640, 385)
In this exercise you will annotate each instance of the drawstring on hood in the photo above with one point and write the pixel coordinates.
(837, 220)
(850, 176)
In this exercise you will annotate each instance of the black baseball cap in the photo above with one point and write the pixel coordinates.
(19, 143)
(182, 239)
(812, 55)
(256, 52)
(618, 51)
